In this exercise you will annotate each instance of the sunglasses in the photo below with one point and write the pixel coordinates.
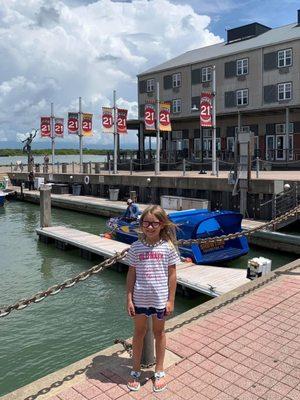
(146, 224)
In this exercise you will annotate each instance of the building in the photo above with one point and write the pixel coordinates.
(257, 89)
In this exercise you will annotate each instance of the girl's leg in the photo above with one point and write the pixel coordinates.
(160, 348)
(140, 327)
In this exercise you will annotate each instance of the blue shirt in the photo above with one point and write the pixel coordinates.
(132, 211)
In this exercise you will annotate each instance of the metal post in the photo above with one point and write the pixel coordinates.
(218, 166)
(214, 139)
(80, 135)
(58, 167)
(115, 171)
(131, 165)
(109, 167)
(157, 160)
(183, 167)
(73, 167)
(148, 347)
(45, 206)
(257, 167)
(90, 166)
(52, 133)
(11, 167)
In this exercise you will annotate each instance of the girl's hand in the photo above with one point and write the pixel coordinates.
(169, 307)
(130, 308)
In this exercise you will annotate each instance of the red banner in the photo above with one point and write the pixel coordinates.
(107, 120)
(205, 109)
(164, 117)
(87, 124)
(45, 127)
(59, 127)
(73, 123)
(149, 117)
(121, 120)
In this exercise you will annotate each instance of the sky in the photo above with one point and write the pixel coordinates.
(58, 50)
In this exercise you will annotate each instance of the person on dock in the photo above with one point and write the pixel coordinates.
(151, 287)
(31, 180)
(132, 211)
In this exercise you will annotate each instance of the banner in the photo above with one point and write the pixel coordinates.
(59, 127)
(205, 109)
(149, 117)
(45, 127)
(121, 120)
(87, 124)
(107, 120)
(73, 123)
(164, 117)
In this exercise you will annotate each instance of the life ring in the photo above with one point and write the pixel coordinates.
(86, 179)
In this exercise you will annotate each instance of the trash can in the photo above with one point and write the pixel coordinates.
(85, 168)
(97, 168)
(64, 168)
(76, 189)
(113, 194)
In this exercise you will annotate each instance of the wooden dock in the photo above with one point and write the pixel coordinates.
(211, 280)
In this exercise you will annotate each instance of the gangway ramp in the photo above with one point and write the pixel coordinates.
(211, 280)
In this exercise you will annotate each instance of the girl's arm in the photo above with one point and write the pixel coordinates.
(172, 289)
(130, 286)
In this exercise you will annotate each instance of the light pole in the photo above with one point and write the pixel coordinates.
(157, 160)
(202, 170)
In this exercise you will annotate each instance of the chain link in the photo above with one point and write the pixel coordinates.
(53, 290)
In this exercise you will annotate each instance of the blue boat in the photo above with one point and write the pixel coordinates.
(196, 224)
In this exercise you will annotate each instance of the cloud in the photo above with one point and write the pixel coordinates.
(58, 50)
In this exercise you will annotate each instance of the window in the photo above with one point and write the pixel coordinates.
(242, 97)
(284, 91)
(285, 58)
(176, 106)
(280, 128)
(206, 74)
(242, 66)
(150, 85)
(176, 135)
(176, 80)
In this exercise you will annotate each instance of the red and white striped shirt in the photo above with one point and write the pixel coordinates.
(151, 263)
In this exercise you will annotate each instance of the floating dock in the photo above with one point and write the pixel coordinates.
(210, 280)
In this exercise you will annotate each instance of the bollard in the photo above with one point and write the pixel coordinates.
(45, 206)
(257, 167)
(183, 167)
(148, 347)
(22, 189)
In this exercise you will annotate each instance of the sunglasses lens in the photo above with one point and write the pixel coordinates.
(146, 224)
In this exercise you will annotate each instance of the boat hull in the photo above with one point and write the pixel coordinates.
(196, 224)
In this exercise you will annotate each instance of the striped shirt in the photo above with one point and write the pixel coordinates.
(151, 263)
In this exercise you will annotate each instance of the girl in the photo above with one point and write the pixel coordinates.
(151, 286)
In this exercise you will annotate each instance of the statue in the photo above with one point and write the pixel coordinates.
(27, 149)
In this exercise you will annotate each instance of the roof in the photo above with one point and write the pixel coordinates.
(271, 37)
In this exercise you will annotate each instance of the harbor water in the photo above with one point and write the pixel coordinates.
(75, 323)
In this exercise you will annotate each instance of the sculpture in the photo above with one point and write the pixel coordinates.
(27, 148)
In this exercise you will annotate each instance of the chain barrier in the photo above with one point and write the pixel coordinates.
(279, 162)
(53, 290)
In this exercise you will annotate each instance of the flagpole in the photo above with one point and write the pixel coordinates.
(80, 135)
(157, 160)
(115, 171)
(214, 139)
(52, 135)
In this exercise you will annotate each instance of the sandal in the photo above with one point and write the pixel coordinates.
(135, 384)
(157, 377)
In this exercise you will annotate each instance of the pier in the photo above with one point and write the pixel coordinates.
(211, 280)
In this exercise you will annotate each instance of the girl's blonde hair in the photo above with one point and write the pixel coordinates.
(168, 232)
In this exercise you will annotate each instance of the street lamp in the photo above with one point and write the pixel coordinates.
(202, 171)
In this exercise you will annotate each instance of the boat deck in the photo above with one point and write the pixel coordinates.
(211, 280)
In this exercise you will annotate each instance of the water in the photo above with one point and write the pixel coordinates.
(64, 328)
(59, 158)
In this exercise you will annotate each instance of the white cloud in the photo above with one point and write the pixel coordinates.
(55, 51)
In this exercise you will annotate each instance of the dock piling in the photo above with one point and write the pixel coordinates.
(45, 206)
(148, 347)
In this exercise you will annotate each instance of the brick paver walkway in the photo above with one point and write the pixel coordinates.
(247, 350)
